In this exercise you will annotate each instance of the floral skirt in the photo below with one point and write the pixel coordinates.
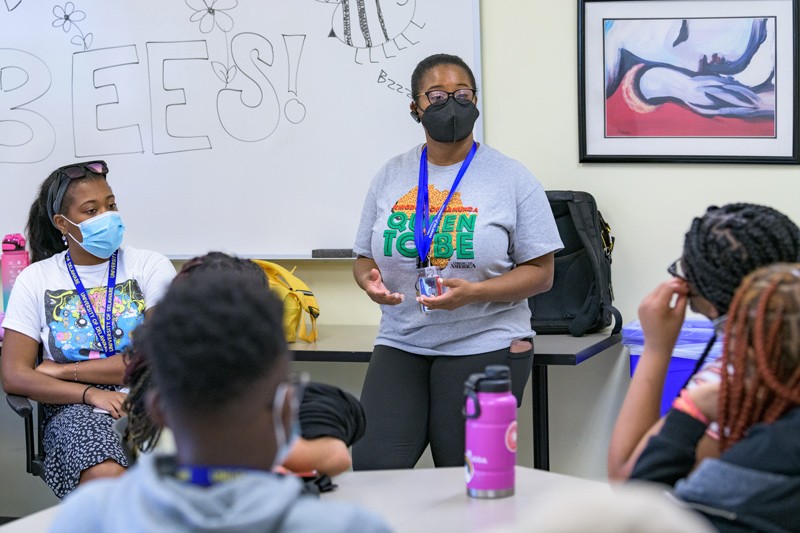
(76, 438)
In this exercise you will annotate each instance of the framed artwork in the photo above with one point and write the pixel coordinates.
(688, 81)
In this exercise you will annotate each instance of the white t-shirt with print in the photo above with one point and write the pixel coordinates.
(45, 306)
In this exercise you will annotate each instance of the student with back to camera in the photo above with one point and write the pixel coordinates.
(487, 240)
(331, 420)
(720, 249)
(755, 483)
(219, 366)
(62, 302)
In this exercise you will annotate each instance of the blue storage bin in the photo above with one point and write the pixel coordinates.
(695, 334)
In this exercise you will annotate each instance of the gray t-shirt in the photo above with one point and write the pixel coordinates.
(498, 217)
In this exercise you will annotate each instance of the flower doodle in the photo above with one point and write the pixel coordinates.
(211, 14)
(67, 18)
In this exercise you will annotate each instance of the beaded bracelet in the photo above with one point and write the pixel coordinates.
(83, 396)
(76, 371)
(685, 404)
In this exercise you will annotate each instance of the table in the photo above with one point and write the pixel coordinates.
(435, 499)
(353, 344)
(421, 499)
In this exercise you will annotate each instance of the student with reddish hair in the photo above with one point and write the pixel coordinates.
(755, 483)
(720, 249)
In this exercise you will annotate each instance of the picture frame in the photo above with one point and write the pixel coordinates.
(688, 81)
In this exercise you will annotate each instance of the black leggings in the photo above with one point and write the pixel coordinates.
(412, 400)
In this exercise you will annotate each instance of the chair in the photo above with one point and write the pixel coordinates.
(34, 442)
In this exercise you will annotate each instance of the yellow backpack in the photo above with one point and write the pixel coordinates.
(297, 298)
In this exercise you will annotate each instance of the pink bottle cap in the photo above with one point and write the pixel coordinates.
(13, 242)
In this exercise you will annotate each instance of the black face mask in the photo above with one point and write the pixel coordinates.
(451, 121)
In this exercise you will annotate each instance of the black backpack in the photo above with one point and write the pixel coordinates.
(580, 300)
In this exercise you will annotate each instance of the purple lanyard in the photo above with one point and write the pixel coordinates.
(104, 337)
(424, 227)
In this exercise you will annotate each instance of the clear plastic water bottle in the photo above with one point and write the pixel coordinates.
(15, 258)
(490, 451)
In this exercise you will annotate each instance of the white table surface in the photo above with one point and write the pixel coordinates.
(428, 499)
(422, 499)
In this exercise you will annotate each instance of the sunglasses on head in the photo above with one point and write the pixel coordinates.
(80, 170)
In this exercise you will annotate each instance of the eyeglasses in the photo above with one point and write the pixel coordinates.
(64, 175)
(676, 271)
(439, 97)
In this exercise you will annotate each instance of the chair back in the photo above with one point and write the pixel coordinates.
(34, 440)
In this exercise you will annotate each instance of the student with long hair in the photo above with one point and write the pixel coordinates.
(331, 419)
(755, 484)
(720, 249)
(79, 300)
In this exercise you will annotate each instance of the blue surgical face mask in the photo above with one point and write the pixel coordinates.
(285, 438)
(102, 235)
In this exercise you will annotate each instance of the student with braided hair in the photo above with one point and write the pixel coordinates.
(331, 420)
(755, 484)
(720, 249)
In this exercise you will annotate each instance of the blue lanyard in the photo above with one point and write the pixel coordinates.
(205, 476)
(104, 337)
(424, 227)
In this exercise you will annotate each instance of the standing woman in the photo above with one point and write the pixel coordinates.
(487, 233)
(81, 298)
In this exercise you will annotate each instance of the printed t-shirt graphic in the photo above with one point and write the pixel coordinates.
(72, 337)
(453, 239)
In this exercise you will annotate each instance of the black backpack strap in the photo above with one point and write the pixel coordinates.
(608, 247)
(582, 208)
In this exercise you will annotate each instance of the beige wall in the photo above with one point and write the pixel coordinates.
(530, 48)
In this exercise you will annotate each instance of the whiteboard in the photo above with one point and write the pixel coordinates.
(252, 127)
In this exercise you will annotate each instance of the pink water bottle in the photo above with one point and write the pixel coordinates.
(15, 259)
(490, 450)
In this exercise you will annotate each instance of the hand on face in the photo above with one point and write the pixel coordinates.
(661, 314)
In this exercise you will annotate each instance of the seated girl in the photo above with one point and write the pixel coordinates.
(755, 483)
(720, 249)
(80, 300)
